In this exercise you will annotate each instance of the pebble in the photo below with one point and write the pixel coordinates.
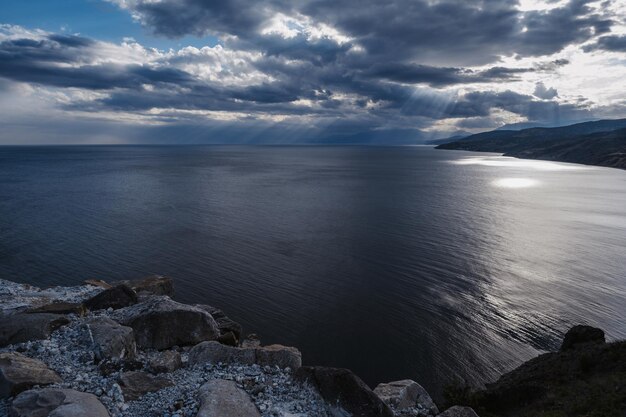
(68, 352)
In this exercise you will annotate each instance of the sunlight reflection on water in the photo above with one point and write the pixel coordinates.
(507, 161)
(515, 182)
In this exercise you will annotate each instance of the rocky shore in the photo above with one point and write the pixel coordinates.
(127, 349)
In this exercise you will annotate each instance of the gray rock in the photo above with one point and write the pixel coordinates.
(60, 307)
(111, 340)
(136, 384)
(221, 398)
(166, 361)
(228, 338)
(97, 283)
(214, 352)
(152, 285)
(160, 323)
(19, 373)
(458, 411)
(225, 324)
(119, 296)
(19, 328)
(341, 388)
(579, 335)
(56, 402)
(274, 355)
(279, 355)
(404, 394)
(251, 340)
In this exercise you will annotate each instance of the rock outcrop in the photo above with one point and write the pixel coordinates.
(151, 285)
(408, 397)
(220, 398)
(23, 327)
(586, 377)
(97, 283)
(343, 389)
(56, 402)
(273, 355)
(119, 296)
(19, 373)
(165, 361)
(458, 411)
(579, 335)
(230, 330)
(160, 323)
(135, 384)
(60, 307)
(111, 340)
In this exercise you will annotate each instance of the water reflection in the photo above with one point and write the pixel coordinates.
(515, 182)
(507, 161)
(392, 262)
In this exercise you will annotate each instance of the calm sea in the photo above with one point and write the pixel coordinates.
(403, 262)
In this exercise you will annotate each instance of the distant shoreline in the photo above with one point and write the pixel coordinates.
(600, 143)
(534, 159)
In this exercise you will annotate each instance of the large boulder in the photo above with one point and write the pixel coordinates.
(341, 388)
(221, 398)
(151, 285)
(56, 402)
(60, 307)
(119, 296)
(97, 283)
(166, 361)
(406, 394)
(458, 411)
(278, 355)
(111, 340)
(214, 352)
(23, 327)
(19, 373)
(579, 335)
(160, 323)
(136, 383)
(273, 355)
(230, 330)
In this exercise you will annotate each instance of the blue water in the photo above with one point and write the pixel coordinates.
(404, 262)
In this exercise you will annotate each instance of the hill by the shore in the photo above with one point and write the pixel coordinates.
(601, 143)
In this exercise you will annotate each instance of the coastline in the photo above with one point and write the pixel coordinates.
(128, 349)
(509, 155)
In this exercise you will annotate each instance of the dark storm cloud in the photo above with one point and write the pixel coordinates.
(349, 65)
(480, 103)
(439, 32)
(40, 62)
(71, 41)
(442, 76)
(548, 32)
(55, 48)
(199, 17)
(613, 43)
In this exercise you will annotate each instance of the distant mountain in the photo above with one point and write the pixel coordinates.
(457, 136)
(601, 142)
(528, 125)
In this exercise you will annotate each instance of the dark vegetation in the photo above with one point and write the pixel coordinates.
(582, 380)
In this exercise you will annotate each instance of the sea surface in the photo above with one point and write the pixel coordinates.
(399, 262)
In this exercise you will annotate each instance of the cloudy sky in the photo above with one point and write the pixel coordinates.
(292, 71)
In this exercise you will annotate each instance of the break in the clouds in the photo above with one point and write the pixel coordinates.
(315, 70)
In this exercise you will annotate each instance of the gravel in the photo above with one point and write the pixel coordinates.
(68, 352)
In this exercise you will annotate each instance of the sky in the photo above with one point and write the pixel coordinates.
(303, 71)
